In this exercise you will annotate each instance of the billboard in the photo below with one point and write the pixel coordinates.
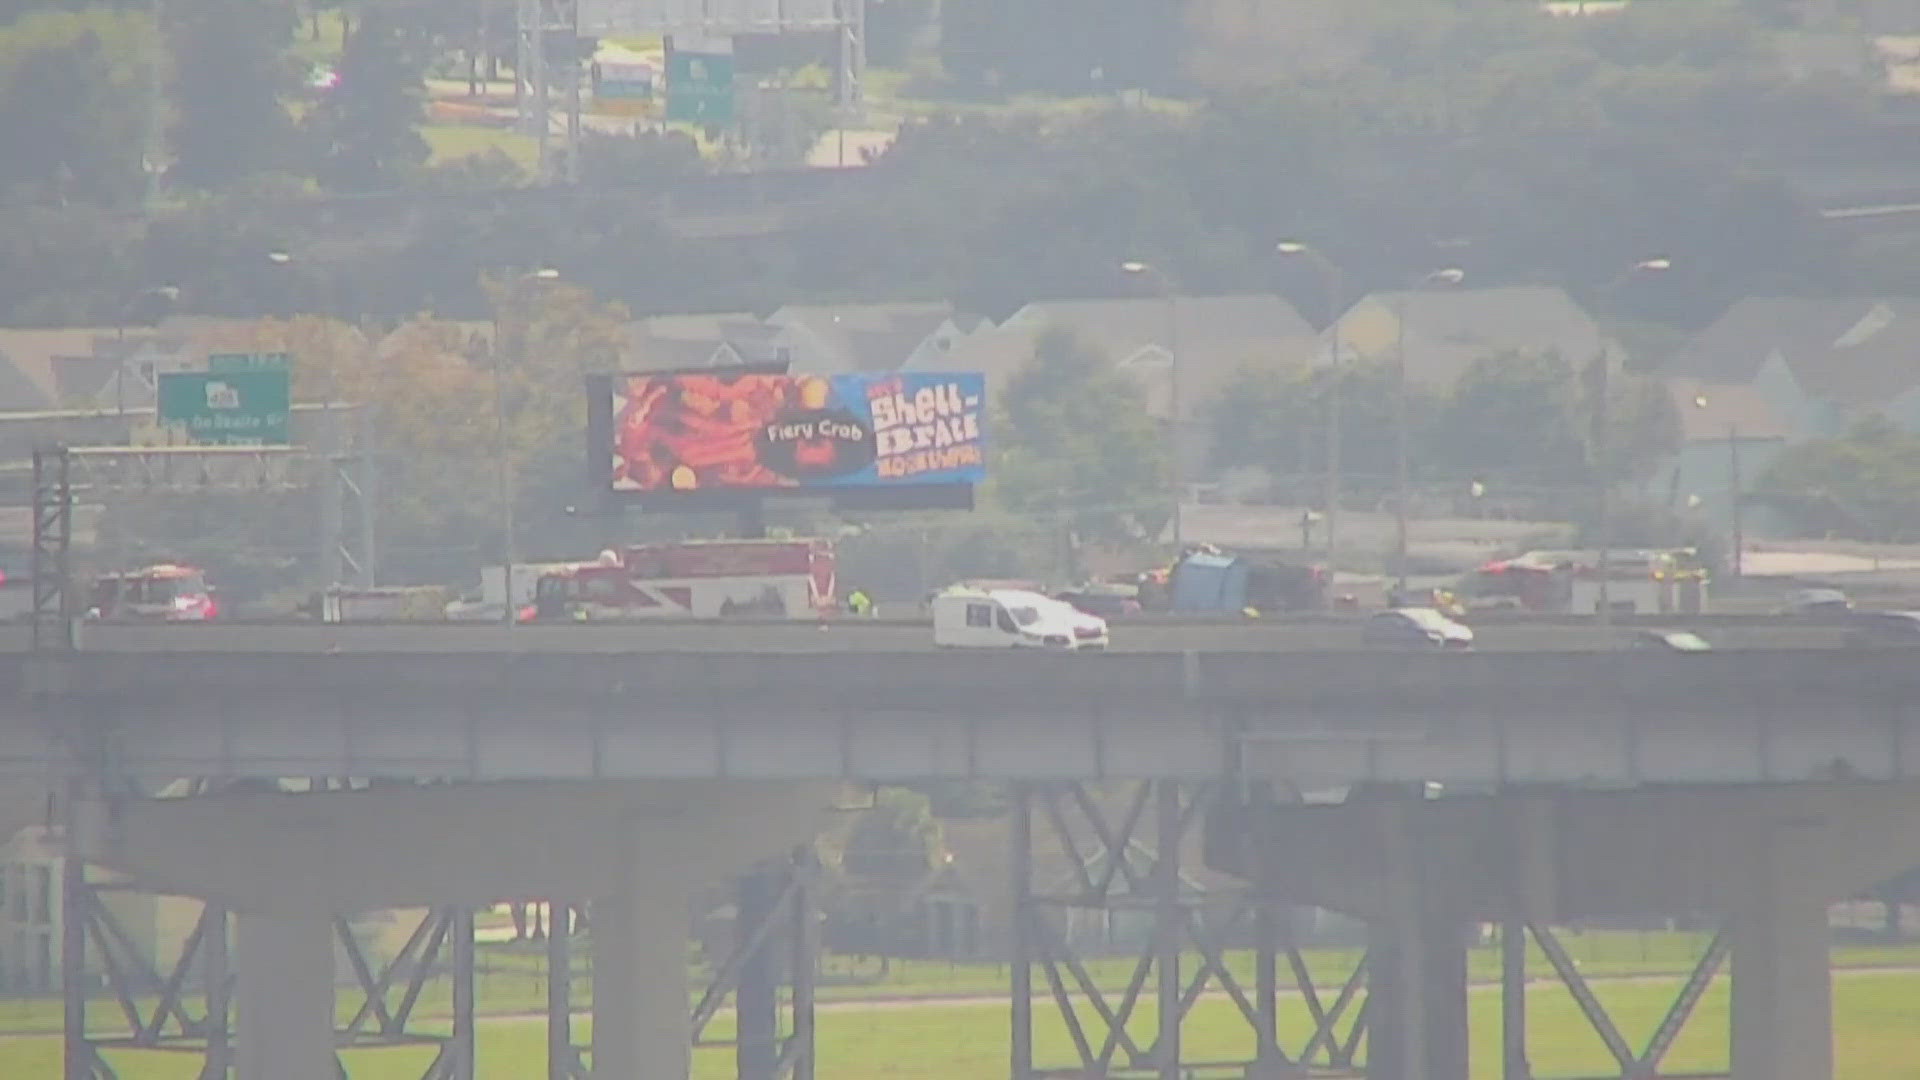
(744, 432)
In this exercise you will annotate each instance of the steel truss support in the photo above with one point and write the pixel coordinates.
(379, 1020)
(130, 975)
(1641, 1065)
(52, 556)
(775, 908)
(1114, 865)
(346, 483)
(565, 1061)
(850, 73)
(547, 45)
(191, 998)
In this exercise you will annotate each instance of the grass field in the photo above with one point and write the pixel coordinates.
(1877, 1037)
(511, 980)
(450, 142)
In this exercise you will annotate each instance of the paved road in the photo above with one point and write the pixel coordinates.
(1316, 636)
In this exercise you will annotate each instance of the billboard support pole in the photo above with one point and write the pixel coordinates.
(753, 520)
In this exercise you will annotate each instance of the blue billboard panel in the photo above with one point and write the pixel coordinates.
(710, 432)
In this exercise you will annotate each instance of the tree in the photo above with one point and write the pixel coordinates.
(366, 129)
(230, 80)
(1075, 440)
(1061, 45)
(640, 160)
(1866, 483)
(1278, 421)
(895, 28)
(897, 838)
(1517, 416)
(65, 82)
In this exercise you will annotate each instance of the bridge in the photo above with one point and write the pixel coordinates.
(1524, 787)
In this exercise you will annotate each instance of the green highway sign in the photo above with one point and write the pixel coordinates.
(263, 361)
(700, 87)
(227, 408)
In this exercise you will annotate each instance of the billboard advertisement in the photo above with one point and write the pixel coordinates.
(763, 432)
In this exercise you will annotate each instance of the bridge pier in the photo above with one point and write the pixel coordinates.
(1782, 1015)
(640, 1022)
(1764, 862)
(1417, 967)
(283, 969)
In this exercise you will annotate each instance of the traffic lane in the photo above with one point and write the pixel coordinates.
(839, 637)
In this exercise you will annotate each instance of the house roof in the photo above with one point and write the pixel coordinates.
(1869, 363)
(1217, 336)
(1446, 331)
(866, 337)
(1711, 411)
(29, 363)
(667, 342)
(1736, 345)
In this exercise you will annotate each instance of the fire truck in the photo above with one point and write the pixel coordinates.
(718, 579)
(163, 593)
(1638, 581)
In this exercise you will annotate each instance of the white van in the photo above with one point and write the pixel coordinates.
(1012, 619)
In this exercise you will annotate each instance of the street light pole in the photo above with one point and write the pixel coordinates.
(1402, 439)
(1176, 467)
(1176, 472)
(1734, 510)
(1603, 486)
(1733, 499)
(503, 475)
(503, 464)
(1334, 283)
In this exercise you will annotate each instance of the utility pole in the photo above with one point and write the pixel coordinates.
(1602, 488)
(1733, 495)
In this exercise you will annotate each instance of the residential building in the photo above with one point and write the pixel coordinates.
(719, 339)
(1821, 364)
(835, 338)
(32, 913)
(816, 338)
(1729, 437)
(1442, 332)
(1214, 338)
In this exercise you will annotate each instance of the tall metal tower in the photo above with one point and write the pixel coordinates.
(558, 25)
(546, 47)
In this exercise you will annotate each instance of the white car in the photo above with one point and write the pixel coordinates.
(1013, 619)
(1816, 602)
(1416, 627)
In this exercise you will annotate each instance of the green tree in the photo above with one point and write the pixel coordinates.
(366, 130)
(1278, 421)
(1517, 416)
(1075, 441)
(231, 76)
(66, 79)
(1866, 483)
(897, 838)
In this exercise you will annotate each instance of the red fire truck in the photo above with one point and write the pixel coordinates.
(771, 579)
(163, 593)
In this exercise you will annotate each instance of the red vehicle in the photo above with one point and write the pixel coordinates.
(792, 579)
(162, 593)
(1518, 584)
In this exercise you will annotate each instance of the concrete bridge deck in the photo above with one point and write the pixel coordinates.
(699, 760)
(1319, 633)
(1310, 718)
